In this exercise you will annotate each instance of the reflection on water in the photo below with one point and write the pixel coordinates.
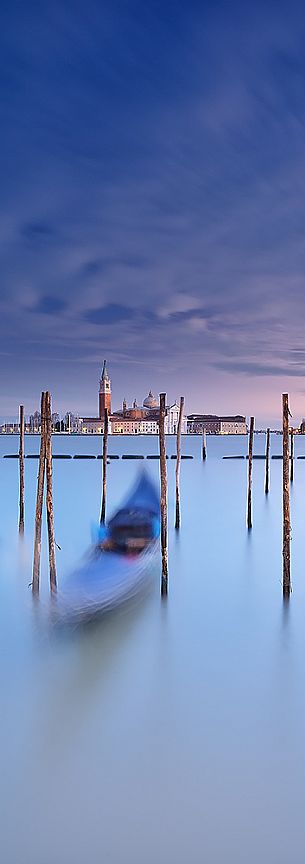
(168, 731)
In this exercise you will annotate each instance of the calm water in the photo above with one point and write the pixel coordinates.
(173, 731)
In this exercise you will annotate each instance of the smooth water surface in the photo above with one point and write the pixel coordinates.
(171, 731)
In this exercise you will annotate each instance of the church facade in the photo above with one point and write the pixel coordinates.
(134, 420)
(144, 419)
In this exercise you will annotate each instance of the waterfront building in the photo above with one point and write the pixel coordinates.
(129, 426)
(92, 425)
(134, 420)
(216, 425)
(9, 428)
(171, 420)
(144, 419)
(72, 423)
(35, 422)
(55, 422)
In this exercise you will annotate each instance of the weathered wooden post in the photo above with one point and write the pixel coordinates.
(178, 463)
(21, 469)
(163, 496)
(105, 446)
(291, 456)
(39, 498)
(204, 444)
(250, 455)
(267, 462)
(286, 500)
(50, 511)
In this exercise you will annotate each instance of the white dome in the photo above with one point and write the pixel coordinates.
(150, 401)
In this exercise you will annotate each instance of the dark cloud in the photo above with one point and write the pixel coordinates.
(112, 313)
(37, 231)
(100, 266)
(92, 268)
(49, 306)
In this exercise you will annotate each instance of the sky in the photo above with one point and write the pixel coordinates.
(152, 207)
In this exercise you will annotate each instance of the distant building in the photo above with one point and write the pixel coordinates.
(72, 423)
(9, 428)
(215, 425)
(134, 421)
(55, 422)
(92, 425)
(302, 427)
(171, 420)
(35, 422)
(144, 419)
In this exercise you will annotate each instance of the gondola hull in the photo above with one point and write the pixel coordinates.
(113, 573)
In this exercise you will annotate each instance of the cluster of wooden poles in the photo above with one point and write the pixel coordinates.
(288, 476)
(45, 470)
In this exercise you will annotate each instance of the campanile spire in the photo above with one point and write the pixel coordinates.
(104, 392)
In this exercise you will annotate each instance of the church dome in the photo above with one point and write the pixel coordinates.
(150, 401)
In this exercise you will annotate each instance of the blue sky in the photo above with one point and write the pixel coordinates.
(152, 180)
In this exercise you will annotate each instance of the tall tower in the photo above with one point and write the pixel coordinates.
(104, 398)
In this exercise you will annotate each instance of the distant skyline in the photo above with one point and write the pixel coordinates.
(91, 406)
(152, 204)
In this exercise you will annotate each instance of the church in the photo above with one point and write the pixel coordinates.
(134, 420)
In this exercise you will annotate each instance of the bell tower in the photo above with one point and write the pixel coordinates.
(104, 400)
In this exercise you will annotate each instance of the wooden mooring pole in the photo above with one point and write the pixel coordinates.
(163, 496)
(105, 447)
(178, 463)
(50, 510)
(21, 469)
(267, 476)
(204, 444)
(39, 498)
(249, 513)
(286, 500)
(291, 456)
